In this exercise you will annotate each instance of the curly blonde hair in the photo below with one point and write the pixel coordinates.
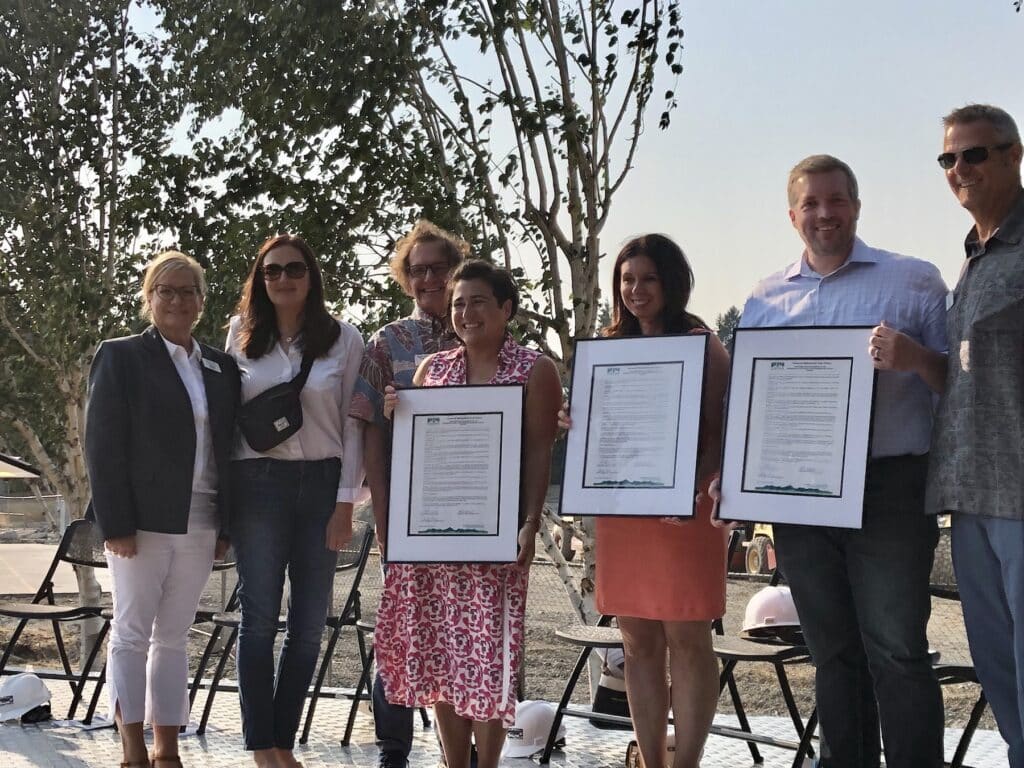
(424, 231)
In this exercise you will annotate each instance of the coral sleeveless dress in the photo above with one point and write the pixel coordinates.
(454, 632)
(649, 568)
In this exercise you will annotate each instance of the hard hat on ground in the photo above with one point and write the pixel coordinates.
(530, 733)
(20, 694)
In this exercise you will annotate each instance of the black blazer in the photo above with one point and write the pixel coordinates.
(140, 436)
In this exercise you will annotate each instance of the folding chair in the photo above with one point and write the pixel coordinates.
(81, 545)
(352, 558)
(944, 586)
(730, 650)
(362, 691)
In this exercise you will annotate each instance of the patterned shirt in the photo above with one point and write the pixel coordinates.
(873, 285)
(392, 356)
(977, 460)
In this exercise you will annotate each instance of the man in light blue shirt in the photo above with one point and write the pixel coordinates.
(862, 595)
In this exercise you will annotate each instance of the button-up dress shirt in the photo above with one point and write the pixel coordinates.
(327, 431)
(872, 285)
(392, 356)
(977, 460)
(189, 367)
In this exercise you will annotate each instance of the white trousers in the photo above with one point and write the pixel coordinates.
(155, 598)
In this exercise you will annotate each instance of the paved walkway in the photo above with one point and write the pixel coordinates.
(67, 746)
(22, 567)
(62, 745)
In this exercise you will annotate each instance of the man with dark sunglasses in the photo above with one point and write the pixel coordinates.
(977, 457)
(862, 594)
(421, 264)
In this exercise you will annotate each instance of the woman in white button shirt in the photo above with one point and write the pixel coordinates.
(293, 508)
(160, 421)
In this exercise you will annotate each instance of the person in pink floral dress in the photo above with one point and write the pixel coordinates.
(453, 635)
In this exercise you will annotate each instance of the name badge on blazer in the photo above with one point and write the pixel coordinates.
(212, 365)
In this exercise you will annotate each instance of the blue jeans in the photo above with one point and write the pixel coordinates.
(279, 521)
(863, 600)
(988, 555)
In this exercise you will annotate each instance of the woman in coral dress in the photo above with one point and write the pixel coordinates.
(453, 635)
(665, 578)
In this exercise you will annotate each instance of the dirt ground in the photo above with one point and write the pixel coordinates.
(549, 660)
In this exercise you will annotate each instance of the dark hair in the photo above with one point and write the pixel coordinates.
(501, 282)
(676, 286)
(257, 331)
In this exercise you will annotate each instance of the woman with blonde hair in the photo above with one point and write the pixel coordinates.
(159, 426)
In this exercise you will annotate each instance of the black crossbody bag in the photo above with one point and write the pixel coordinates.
(275, 414)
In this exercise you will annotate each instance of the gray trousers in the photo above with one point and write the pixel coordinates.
(988, 556)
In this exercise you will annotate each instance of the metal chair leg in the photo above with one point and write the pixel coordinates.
(570, 686)
(11, 642)
(741, 713)
(363, 684)
(204, 660)
(794, 711)
(217, 675)
(96, 695)
(64, 660)
(803, 749)
(83, 678)
(972, 725)
(321, 675)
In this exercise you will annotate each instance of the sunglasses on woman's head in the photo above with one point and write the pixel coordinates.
(293, 269)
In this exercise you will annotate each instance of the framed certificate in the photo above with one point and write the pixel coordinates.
(635, 410)
(455, 475)
(798, 426)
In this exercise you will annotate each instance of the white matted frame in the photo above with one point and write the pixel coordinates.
(635, 410)
(455, 468)
(798, 426)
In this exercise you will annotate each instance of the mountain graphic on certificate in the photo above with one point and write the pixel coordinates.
(793, 490)
(453, 532)
(629, 484)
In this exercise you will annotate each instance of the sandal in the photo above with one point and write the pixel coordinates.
(171, 761)
(136, 764)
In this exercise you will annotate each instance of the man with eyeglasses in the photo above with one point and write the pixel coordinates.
(862, 595)
(977, 457)
(421, 264)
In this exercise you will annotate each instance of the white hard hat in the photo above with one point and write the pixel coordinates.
(20, 694)
(530, 733)
(770, 610)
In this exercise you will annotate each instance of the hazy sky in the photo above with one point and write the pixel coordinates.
(767, 83)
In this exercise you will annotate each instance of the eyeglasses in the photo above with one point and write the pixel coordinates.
(971, 155)
(296, 270)
(440, 269)
(168, 292)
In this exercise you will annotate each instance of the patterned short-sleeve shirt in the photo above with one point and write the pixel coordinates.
(977, 456)
(392, 356)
